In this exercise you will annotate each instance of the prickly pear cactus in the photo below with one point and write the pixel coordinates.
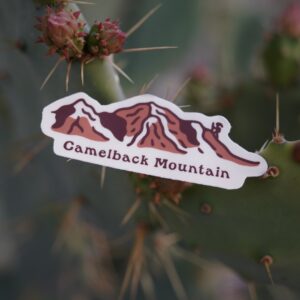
(254, 228)
(67, 215)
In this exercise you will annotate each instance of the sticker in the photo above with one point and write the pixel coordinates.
(150, 135)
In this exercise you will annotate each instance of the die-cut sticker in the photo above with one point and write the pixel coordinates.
(150, 135)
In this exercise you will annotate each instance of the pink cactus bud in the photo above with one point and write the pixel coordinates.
(289, 22)
(62, 31)
(108, 38)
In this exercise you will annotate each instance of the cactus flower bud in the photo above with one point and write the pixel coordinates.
(105, 38)
(281, 55)
(289, 22)
(62, 32)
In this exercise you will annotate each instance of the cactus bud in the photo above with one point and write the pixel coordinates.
(62, 32)
(281, 53)
(105, 38)
(289, 22)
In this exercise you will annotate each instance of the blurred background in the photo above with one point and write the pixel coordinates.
(60, 231)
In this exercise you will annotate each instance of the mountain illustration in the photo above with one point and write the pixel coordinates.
(78, 118)
(143, 125)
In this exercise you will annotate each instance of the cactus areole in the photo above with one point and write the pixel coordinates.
(152, 136)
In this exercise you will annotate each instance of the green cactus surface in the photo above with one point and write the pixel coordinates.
(261, 219)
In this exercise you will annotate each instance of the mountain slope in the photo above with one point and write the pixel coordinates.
(143, 125)
(78, 118)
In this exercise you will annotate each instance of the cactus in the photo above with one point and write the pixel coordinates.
(252, 229)
(78, 245)
(261, 219)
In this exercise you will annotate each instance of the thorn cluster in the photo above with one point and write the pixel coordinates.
(161, 188)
